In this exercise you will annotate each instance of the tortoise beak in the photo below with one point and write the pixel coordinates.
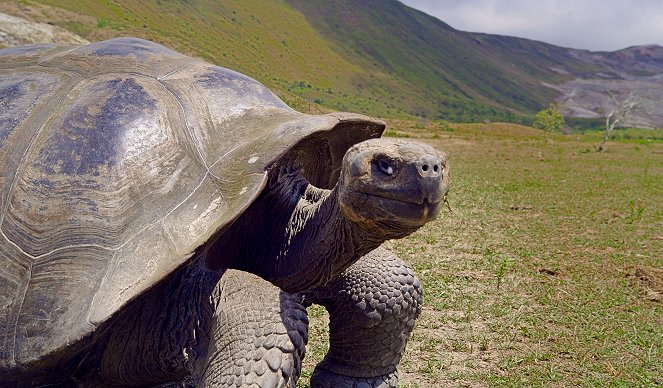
(432, 183)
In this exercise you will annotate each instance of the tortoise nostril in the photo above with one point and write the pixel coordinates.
(430, 166)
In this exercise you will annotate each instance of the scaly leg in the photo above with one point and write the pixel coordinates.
(258, 335)
(372, 309)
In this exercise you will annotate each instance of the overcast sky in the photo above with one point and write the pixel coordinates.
(598, 25)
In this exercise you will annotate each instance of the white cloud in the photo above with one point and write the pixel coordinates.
(585, 24)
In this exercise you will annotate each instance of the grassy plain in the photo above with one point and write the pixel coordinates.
(549, 271)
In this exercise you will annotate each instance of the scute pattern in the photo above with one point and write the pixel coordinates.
(36, 50)
(70, 275)
(105, 123)
(214, 203)
(21, 57)
(15, 269)
(95, 161)
(21, 94)
(123, 55)
(225, 100)
(131, 48)
(133, 268)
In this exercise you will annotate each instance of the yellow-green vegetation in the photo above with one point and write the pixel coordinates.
(549, 119)
(266, 40)
(549, 271)
(381, 58)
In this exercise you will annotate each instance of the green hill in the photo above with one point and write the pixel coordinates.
(441, 72)
(248, 36)
(377, 57)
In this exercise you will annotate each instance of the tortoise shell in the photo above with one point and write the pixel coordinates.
(118, 160)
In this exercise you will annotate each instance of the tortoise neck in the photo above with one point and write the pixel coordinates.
(320, 242)
(297, 235)
(315, 238)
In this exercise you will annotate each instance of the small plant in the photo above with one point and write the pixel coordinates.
(391, 133)
(636, 211)
(458, 345)
(502, 269)
(432, 367)
(488, 254)
(103, 23)
(550, 120)
(623, 107)
(484, 343)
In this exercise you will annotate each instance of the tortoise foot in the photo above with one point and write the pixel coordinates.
(323, 378)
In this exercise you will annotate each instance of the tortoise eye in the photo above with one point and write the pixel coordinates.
(386, 166)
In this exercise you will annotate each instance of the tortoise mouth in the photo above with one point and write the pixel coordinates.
(415, 211)
(418, 201)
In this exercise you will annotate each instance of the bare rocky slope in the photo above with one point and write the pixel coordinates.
(636, 73)
(17, 31)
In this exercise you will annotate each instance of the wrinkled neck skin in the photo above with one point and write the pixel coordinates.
(296, 236)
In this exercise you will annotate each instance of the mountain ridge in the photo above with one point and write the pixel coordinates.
(378, 57)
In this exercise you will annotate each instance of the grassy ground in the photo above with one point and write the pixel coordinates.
(549, 272)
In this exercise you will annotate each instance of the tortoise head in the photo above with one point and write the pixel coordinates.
(393, 183)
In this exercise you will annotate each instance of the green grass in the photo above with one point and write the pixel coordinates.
(533, 280)
(441, 72)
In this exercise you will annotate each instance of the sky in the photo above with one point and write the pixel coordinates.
(597, 25)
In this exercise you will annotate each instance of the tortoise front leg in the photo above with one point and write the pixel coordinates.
(372, 309)
(258, 335)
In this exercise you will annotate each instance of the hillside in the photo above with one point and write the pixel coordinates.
(471, 76)
(378, 57)
(458, 77)
(247, 36)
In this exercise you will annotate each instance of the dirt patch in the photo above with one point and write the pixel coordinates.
(446, 347)
(650, 281)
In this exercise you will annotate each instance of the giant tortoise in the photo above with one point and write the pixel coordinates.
(165, 221)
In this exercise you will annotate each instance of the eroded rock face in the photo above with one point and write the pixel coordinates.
(16, 31)
(592, 98)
